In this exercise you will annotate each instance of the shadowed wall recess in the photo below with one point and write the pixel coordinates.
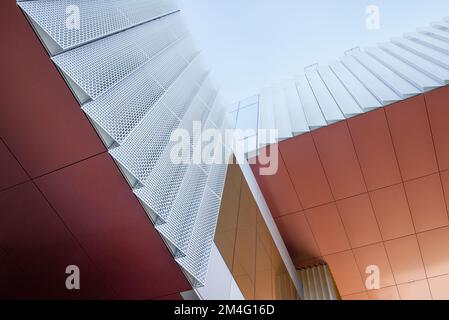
(244, 241)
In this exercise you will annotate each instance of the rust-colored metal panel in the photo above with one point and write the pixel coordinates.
(11, 173)
(374, 149)
(307, 174)
(345, 272)
(391, 150)
(40, 245)
(405, 259)
(437, 102)
(356, 296)
(392, 212)
(95, 202)
(438, 287)
(339, 160)
(277, 189)
(375, 254)
(412, 138)
(298, 237)
(427, 204)
(327, 228)
(390, 293)
(359, 220)
(174, 296)
(445, 181)
(418, 290)
(41, 121)
(434, 246)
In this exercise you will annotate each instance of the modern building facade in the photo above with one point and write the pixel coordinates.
(92, 91)
(363, 160)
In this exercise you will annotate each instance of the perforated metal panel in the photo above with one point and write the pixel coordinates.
(196, 260)
(167, 176)
(181, 220)
(143, 147)
(98, 66)
(120, 110)
(140, 151)
(197, 257)
(98, 18)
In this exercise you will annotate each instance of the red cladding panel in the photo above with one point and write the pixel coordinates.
(306, 172)
(277, 189)
(345, 273)
(434, 246)
(392, 212)
(427, 203)
(328, 230)
(41, 121)
(174, 296)
(11, 173)
(97, 205)
(339, 159)
(438, 108)
(375, 255)
(359, 220)
(36, 240)
(412, 138)
(374, 149)
(298, 237)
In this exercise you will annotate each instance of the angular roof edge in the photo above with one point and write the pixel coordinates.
(360, 81)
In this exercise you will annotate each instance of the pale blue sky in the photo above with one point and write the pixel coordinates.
(253, 43)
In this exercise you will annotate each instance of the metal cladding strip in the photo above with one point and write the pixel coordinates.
(325, 289)
(165, 179)
(366, 100)
(400, 86)
(297, 117)
(179, 225)
(99, 65)
(98, 18)
(436, 32)
(430, 69)
(208, 93)
(418, 79)
(180, 94)
(266, 111)
(120, 109)
(423, 51)
(429, 41)
(282, 113)
(143, 146)
(312, 110)
(345, 101)
(440, 25)
(196, 260)
(318, 283)
(378, 88)
(181, 218)
(326, 102)
(180, 222)
(218, 114)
